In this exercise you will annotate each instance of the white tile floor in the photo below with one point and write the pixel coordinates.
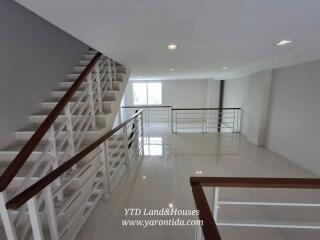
(163, 178)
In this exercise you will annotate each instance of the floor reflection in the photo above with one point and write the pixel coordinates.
(153, 146)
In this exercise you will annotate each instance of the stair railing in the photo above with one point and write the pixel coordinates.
(60, 135)
(209, 217)
(111, 155)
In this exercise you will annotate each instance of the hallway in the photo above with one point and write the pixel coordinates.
(161, 180)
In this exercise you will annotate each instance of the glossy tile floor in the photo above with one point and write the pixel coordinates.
(162, 180)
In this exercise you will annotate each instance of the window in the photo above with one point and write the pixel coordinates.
(147, 94)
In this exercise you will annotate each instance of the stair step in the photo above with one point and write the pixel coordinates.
(85, 62)
(116, 85)
(9, 152)
(27, 132)
(79, 69)
(74, 76)
(110, 95)
(40, 116)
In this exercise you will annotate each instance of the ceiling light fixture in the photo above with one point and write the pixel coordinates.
(171, 69)
(172, 46)
(144, 177)
(283, 42)
(198, 172)
(170, 205)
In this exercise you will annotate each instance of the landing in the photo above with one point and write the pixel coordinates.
(162, 181)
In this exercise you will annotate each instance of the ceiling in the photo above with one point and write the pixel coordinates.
(210, 33)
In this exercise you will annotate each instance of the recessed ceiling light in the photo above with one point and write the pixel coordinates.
(170, 205)
(171, 69)
(198, 172)
(172, 46)
(225, 68)
(283, 42)
(144, 177)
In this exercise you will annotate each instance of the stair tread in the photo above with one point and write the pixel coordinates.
(74, 99)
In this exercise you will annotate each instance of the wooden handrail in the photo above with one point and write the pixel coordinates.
(247, 182)
(174, 109)
(209, 227)
(37, 187)
(33, 142)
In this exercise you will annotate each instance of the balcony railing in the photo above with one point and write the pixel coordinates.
(210, 218)
(206, 120)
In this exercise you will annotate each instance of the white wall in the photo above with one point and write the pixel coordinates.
(34, 57)
(281, 111)
(294, 114)
(250, 93)
(181, 93)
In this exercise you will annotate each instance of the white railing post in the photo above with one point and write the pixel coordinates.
(51, 214)
(198, 233)
(91, 101)
(126, 144)
(114, 70)
(203, 120)
(142, 134)
(110, 87)
(107, 161)
(54, 154)
(6, 219)
(104, 171)
(136, 133)
(98, 80)
(70, 129)
(215, 203)
(35, 219)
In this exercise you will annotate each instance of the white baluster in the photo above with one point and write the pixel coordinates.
(91, 101)
(70, 129)
(6, 219)
(126, 144)
(51, 214)
(98, 80)
(109, 75)
(114, 70)
(142, 133)
(54, 155)
(108, 170)
(35, 219)
(215, 203)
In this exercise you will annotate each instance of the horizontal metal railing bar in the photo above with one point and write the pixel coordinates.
(269, 225)
(37, 187)
(286, 204)
(29, 147)
(148, 106)
(175, 109)
(209, 227)
(248, 182)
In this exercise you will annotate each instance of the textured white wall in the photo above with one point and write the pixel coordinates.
(294, 114)
(34, 57)
(251, 93)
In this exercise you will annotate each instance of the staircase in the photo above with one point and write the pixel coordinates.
(89, 113)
